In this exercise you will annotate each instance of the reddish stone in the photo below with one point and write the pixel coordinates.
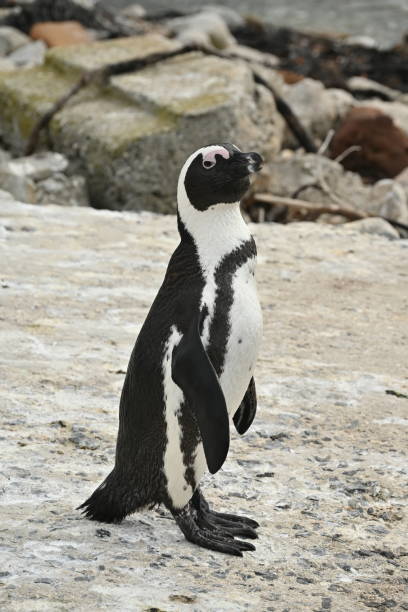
(61, 33)
(384, 146)
(291, 77)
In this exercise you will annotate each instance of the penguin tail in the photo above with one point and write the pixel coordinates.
(110, 502)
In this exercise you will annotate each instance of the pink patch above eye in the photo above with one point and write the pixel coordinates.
(210, 156)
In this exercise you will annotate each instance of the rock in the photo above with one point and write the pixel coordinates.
(20, 186)
(29, 55)
(319, 109)
(291, 77)
(133, 11)
(61, 33)
(315, 178)
(11, 39)
(4, 156)
(131, 137)
(232, 18)
(39, 179)
(398, 111)
(402, 179)
(310, 177)
(36, 167)
(373, 225)
(384, 146)
(6, 64)
(132, 21)
(362, 41)
(63, 190)
(389, 199)
(254, 57)
(207, 28)
(363, 87)
(273, 78)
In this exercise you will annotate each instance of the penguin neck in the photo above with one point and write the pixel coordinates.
(215, 232)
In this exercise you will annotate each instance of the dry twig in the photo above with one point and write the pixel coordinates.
(334, 209)
(343, 209)
(346, 153)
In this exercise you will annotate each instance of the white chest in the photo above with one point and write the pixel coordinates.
(245, 323)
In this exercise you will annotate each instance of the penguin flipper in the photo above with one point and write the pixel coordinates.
(246, 412)
(193, 372)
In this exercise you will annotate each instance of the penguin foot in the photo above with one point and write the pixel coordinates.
(229, 528)
(208, 535)
(236, 525)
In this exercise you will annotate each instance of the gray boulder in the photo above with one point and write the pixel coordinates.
(207, 28)
(40, 179)
(129, 138)
(374, 225)
(389, 199)
(11, 39)
(29, 55)
(362, 85)
(319, 109)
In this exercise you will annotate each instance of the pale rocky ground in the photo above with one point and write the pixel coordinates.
(324, 467)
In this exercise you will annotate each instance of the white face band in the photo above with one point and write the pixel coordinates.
(209, 157)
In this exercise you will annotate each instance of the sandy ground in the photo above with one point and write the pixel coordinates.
(324, 467)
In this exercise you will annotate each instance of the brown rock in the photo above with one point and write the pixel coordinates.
(384, 146)
(291, 77)
(61, 33)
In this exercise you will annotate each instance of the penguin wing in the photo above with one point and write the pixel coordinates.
(193, 372)
(246, 412)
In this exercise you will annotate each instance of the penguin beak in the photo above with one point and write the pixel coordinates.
(254, 162)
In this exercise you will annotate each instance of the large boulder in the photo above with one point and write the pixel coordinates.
(319, 109)
(131, 136)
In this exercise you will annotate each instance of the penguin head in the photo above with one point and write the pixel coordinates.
(217, 174)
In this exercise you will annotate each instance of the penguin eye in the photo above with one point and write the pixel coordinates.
(208, 164)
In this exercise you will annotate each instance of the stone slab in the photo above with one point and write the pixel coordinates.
(130, 137)
(323, 468)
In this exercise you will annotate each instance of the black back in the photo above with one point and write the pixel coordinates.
(142, 427)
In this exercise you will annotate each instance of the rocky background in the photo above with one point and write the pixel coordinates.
(324, 467)
(125, 136)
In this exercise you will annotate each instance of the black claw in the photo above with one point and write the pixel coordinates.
(243, 532)
(230, 521)
(226, 529)
(244, 545)
(198, 529)
(234, 518)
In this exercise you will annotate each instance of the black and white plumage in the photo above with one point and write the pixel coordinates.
(192, 365)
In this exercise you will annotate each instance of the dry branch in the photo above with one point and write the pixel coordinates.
(345, 210)
(334, 209)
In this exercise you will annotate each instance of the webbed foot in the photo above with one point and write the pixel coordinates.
(232, 523)
(200, 529)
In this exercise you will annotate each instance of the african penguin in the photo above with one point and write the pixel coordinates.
(192, 366)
